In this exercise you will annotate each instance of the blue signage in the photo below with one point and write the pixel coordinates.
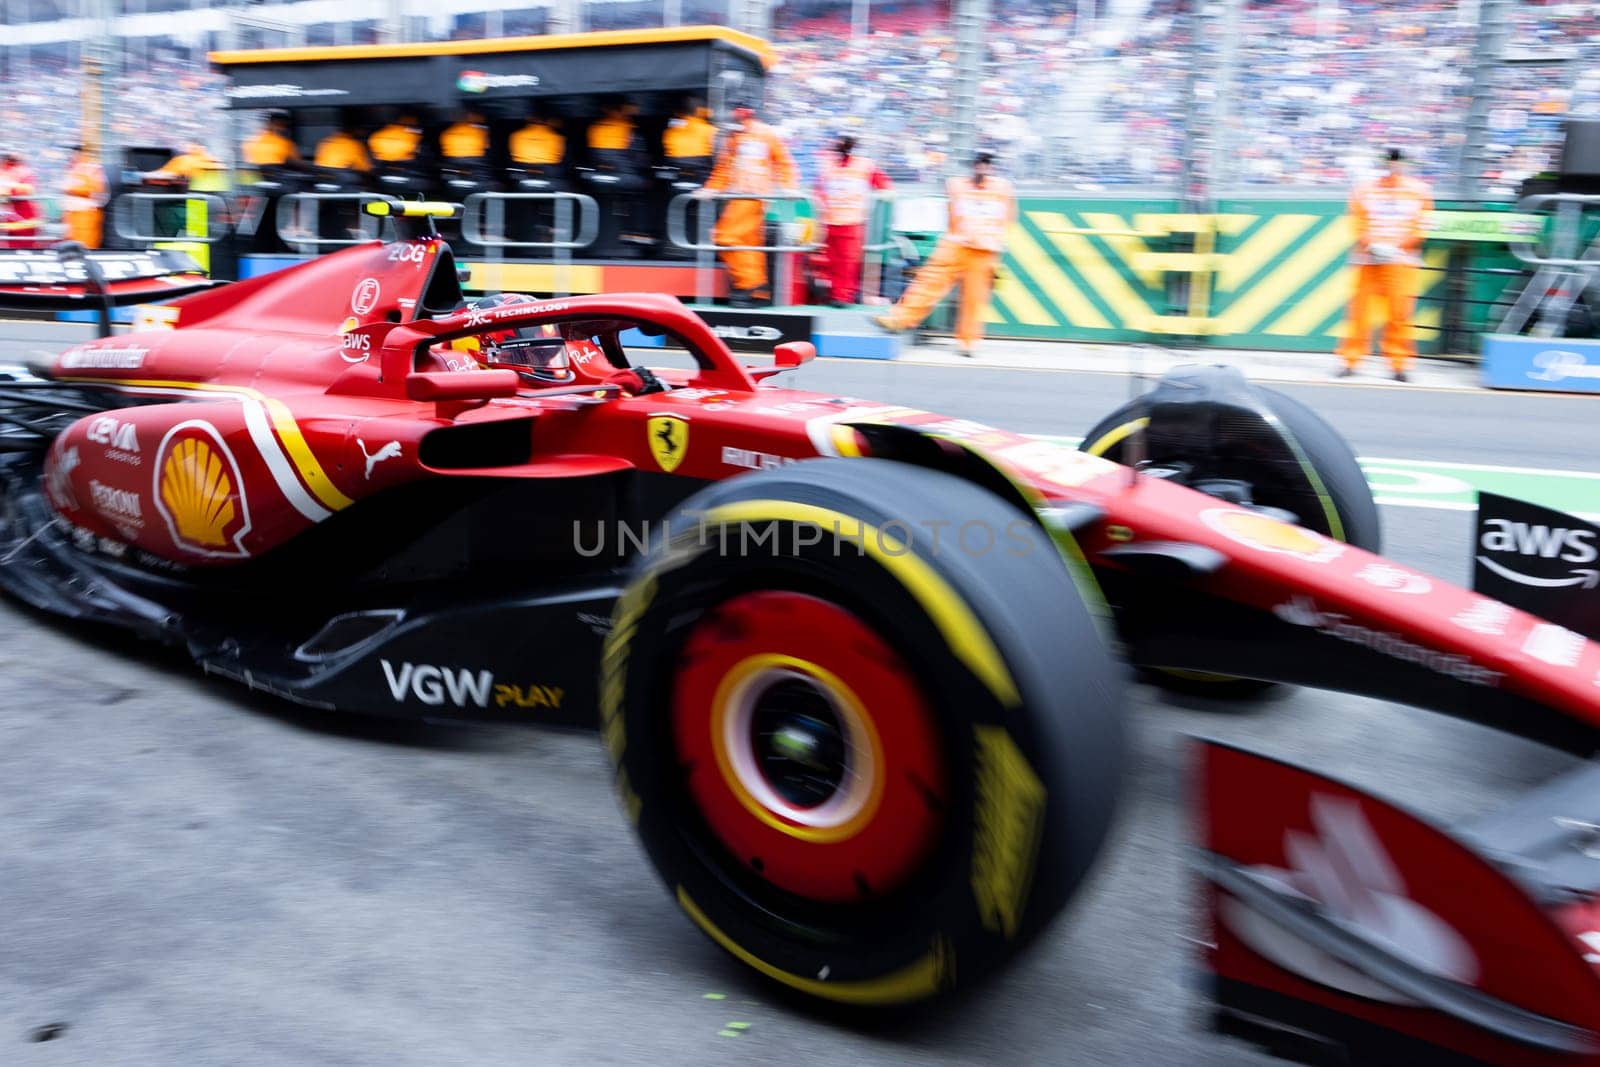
(1554, 364)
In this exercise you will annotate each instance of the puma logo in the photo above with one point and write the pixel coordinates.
(388, 451)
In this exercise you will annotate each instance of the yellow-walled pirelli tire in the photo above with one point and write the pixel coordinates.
(865, 762)
(1324, 488)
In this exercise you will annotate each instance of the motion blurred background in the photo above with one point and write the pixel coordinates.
(1078, 95)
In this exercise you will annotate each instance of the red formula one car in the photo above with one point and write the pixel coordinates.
(853, 661)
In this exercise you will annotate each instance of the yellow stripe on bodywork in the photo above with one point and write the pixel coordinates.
(294, 441)
(917, 982)
(954, 618)
(844, 440)
(300, 455)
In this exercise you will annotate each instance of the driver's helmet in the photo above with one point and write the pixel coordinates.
(539, 351)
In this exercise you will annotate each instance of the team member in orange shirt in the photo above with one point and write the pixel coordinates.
(342, 150)
(845, 187)
(538, 158)
(689, 142)
(397, 143)
(538, 146)
(192, 164)
(83, 194)
(271, 146)
(982, 208)
(753, 160)
(1387, 217)
(465, 143)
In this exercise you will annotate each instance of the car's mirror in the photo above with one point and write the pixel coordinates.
(461, 385)
(794, 354)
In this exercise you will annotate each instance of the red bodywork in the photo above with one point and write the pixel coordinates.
(1397, 882)
(281, 401)
(297, 405)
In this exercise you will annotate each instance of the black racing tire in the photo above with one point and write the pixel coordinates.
(1019, 733)
(1343, 488)
(1334, 462)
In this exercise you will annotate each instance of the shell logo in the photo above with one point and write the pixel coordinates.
(199, 492)
(1269, 535)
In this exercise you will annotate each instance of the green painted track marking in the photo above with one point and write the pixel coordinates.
(1416, 483)
(1421, 483)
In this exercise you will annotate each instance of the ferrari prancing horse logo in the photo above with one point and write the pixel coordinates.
(669, 439)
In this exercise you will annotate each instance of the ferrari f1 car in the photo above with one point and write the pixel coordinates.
(853, 662)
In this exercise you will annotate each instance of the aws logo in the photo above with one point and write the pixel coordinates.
(199, 492)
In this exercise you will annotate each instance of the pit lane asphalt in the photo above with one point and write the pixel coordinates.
(192, 874)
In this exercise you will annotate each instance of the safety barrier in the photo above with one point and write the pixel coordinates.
(1093, 269)
(705, 249)
(483, 220)
(134, 218)
(483, 223)
(299, 220)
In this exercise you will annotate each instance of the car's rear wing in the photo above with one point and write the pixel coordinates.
(1540, 560)
(1344, 929)
(69, 278)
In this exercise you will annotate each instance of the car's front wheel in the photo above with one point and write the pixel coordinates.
(864, 763)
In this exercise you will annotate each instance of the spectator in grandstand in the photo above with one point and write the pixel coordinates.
(845, 194)
(753, 160)
(981, 208)
(19, 190)
(1386, 218)
(83, 198)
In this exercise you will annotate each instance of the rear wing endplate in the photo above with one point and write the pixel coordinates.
(71, 278)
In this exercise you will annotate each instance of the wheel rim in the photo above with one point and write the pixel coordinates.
(808, 748)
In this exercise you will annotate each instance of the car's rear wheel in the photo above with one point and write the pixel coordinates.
(857, 759)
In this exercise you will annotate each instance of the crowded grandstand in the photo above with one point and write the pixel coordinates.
(1081, 95)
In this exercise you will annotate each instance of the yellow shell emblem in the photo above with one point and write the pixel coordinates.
(1270, 535)
(669, 440)
(199, 492)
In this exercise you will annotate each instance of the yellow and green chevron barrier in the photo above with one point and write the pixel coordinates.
(1275, 275)
(1069, 272)
(1285, 284)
